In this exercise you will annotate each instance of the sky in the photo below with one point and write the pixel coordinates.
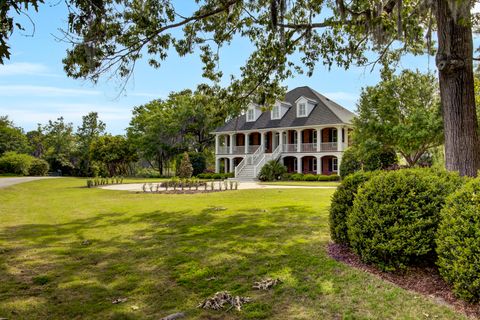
(34, 88)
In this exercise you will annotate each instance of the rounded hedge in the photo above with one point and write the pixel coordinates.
(38, 167)
(342, 204)
(396, 214)
(458, 242)
(16, 163)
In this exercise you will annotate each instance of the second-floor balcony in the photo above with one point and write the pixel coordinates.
(286, 148)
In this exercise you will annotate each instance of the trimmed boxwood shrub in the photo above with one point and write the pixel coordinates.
(38, 167)
(215, 176)
(16, 163)
(309, 177)
(342, 204)
(458, 242)
(396, 214)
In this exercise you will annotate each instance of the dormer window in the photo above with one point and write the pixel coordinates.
(302, 110)
(276, 113)
(250, 115)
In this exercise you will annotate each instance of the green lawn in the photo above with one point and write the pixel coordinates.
(166, 253)
(305, 183)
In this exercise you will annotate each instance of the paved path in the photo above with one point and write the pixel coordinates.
(7, 182)
(134, 187)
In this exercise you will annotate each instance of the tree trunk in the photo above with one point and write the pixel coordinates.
(455, 66)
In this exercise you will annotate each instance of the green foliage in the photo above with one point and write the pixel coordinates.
(215, 176)
(147, 173)
(11, 138)
(309, 177)
(350, 162)
(185, 169)
(163, 129)
(378, 158)
(116, 153)
(17, 163)
(458, 241)
(101, 181)
(86, 134)
(60, 145)
(396, 214)
(401, 113)
(199, 162)
(342, 204)
(271, 171)
(38, 167)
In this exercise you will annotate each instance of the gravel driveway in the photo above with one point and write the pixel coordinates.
(7, 182)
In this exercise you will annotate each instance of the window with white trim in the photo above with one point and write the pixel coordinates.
(335, 164)
(250, 115)
(302, 109)
(276, 112)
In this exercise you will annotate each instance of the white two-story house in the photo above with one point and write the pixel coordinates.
(307, 132)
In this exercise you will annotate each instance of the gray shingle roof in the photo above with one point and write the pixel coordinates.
(325, 112)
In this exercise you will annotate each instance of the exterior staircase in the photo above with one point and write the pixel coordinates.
(250, 166)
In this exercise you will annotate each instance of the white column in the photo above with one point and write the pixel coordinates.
(339, 139)
(217, 143)
(232, 167)
(280, 140)
(319, 165)
(299, 165)
(225, 165)
(217, 165)
(262, 140)
(299, 140)
(247, 141)
(231, 142)
(319, 139)
(339, 162)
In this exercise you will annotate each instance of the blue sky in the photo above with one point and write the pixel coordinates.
(35, 89)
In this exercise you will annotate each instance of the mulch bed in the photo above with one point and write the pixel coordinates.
(426, 281)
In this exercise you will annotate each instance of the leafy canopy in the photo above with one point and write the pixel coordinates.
(401, 112)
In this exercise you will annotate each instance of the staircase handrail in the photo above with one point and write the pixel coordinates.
(240, 166)
(256, 155)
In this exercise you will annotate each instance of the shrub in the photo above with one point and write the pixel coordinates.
(396, 214)
(350, 162)
(272, 170)
(199, 162)
(379, 158)
(332, 177)
(147, 173)
(17, 163)
(458, 241)
(342, 204)
(38, 167)
(185, 169)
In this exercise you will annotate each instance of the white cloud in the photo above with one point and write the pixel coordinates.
(42, 91)
(24, 68)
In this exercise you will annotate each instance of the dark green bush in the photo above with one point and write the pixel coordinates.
(199, 162)
(396, 214)
(332, 177)
(272, 170)
(16, 163)
(38, 167)
(379, 159)
(342, 204)
(350, 162)
(310, 177)
(458, 242)
(215, 176)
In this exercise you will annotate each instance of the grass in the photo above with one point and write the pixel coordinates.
(304, 183)
(67, 251)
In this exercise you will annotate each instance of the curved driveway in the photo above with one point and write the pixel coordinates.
(7, 182)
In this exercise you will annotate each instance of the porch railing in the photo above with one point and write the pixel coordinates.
(309, 147)
(329, 146)
(239, 150)
(253, 148)
(290, 147)
(223, 150)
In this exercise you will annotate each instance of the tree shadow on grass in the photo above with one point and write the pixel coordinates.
(163, 262)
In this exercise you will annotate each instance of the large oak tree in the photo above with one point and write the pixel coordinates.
(289, 37)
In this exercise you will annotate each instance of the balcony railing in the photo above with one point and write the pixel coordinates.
(288, 148)
(328, 146)
(309, 147)
(223, 150)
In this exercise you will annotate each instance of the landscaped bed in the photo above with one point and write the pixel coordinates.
(69, 252)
